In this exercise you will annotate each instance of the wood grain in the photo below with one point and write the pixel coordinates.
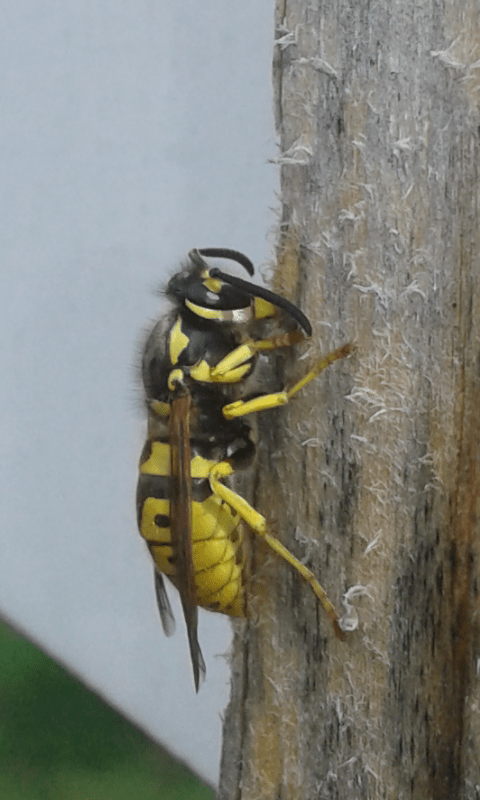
(373, 473)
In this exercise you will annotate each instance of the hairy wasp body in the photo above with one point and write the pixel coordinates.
(196, 372)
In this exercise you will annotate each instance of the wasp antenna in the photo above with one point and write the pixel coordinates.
(225, 252)
(194, 255)
(266, 294)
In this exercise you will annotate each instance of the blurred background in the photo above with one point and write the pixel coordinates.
(129, 133)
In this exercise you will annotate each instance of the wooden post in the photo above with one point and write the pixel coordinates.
(373, 474)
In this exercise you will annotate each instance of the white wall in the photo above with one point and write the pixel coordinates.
(129, 133)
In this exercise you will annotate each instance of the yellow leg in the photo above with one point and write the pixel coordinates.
(245, 351)
(258, 524)
(335, 355)
(267, 401)
(263, 403)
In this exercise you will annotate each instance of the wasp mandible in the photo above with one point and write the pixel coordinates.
(196, 369)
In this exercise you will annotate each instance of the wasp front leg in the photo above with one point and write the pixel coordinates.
(258, 524)
(267, 401)
(245, 352)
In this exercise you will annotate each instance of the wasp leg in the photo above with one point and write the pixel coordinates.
(258, 524)
(335, 355)
(273, 400)
(238, 363)
(204, 372)
(251, 347)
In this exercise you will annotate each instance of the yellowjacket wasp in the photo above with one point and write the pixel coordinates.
(195, 369)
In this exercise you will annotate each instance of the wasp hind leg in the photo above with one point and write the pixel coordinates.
(258, 524)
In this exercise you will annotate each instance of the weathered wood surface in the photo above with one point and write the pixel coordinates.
(373, 474)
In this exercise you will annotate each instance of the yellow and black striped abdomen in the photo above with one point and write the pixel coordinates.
(217, 540)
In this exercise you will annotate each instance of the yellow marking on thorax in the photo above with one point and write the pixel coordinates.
(178, 342)
(201, 371)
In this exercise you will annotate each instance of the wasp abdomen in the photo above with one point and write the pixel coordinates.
(217, 557)
(217, 541)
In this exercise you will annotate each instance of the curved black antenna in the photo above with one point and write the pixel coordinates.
(266, 294)
(222, 252)
(194, 255)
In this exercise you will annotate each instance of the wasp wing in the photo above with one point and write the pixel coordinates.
(163, 603)
(181, 524)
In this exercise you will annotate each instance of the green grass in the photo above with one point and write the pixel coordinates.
(59, 741)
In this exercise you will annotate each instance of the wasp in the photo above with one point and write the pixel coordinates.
(197, 371)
